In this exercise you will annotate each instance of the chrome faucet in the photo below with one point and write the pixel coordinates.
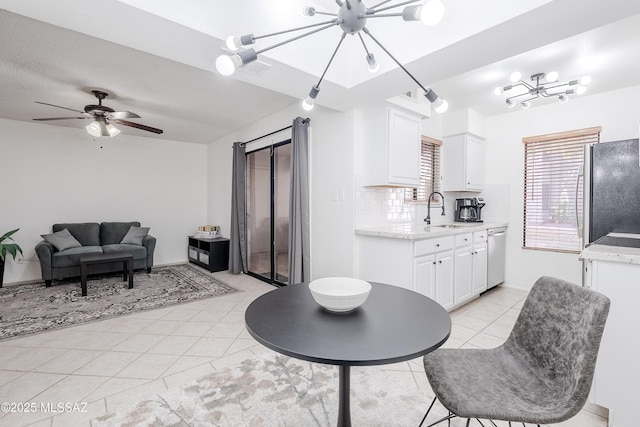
(428, 218)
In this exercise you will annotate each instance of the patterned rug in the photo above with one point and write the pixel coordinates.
(274, 390)
(32, 307)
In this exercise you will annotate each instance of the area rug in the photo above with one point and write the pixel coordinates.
(32, 307)
(274, 390)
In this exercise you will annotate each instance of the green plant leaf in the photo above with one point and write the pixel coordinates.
(8, 235)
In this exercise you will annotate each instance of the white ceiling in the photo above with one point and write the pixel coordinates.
(157, 58)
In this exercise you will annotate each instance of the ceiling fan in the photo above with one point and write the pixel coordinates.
(102, 117)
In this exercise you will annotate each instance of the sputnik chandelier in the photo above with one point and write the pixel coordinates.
(352, 17)
(545, 85)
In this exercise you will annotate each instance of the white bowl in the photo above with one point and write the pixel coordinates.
(340, 294)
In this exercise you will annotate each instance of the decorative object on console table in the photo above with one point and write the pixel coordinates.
(208, 232)
(212, 254)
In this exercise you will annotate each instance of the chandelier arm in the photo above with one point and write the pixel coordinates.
(363, 43)
(331, 60)
(325, 13)
(393, 6)
(297, 37)
(523, 83)
(332, 21)
(366, 31)
(383, 15)
(523, 94)
(379, 4)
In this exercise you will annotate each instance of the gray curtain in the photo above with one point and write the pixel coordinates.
(299, 259)
(238, 241)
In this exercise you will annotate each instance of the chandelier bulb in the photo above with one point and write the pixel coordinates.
(563, 98)
(551, 76)
(515, 77)
(585, 80)
(498, 91)
(373, 64)
(432, 12)
(233, 43)
(510, 103)
(307, 103)
(308, 10)
(581, 89)
(225, 65)
(525, 105)
(441, 105)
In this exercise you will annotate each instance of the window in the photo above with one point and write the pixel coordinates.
(429, 170)
(552, 190)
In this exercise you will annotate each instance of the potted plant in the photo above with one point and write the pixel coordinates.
(7, 248)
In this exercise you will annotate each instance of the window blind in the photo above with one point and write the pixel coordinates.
(553, 198)
(429, 170)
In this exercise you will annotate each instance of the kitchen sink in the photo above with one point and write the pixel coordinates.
(449, 226)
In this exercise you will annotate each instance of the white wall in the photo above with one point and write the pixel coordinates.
(615, 111)
(331, 180)
(56, 174)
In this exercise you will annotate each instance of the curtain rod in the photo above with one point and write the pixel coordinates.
(305, 121)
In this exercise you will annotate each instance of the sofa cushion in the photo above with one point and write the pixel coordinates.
(138, 252)
(135, 235)
(113, 232)
(87, 233)
(71, 257)
(61, 240)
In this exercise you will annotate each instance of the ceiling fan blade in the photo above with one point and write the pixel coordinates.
(122, 115)
(58, 106)
(138, 126)
(60, 118)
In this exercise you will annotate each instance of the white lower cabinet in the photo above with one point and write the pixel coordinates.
(616, 379)
(479, 255)
(462, 278)
(449, 269)
(444, 279)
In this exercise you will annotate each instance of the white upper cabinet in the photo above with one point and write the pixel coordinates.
(391, 147)
(463, 163)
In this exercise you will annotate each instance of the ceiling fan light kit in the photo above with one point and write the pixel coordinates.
(352, 17)
(544, 85)
(102, 117)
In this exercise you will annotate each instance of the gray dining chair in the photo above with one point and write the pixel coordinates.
(542, 374)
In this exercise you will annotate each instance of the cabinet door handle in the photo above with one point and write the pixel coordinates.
(434, 263)
(466, 240)
(439, 262)
(437, 245)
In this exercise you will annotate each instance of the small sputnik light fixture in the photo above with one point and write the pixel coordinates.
(352, 17)
(544, 85)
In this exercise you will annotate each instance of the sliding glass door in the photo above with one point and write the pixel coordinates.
(268, 188)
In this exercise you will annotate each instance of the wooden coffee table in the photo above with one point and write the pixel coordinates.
(124, 257)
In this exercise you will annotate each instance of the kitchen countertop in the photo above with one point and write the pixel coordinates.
(622, 254)
(417, 231)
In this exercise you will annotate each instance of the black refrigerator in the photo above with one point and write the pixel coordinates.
(612, 180)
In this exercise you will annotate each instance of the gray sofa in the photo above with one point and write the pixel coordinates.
(94, 239)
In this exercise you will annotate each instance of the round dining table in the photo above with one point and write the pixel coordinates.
(393, 325)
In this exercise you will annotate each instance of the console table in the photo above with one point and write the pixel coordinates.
(212, 254)
(393, 325)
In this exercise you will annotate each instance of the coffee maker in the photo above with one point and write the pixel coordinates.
(469, 210)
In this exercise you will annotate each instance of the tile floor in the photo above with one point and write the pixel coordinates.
(99, 367)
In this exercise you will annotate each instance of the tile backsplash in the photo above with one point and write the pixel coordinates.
(376, 206)
(379, 206)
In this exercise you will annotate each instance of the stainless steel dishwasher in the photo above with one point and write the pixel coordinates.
(496, 248)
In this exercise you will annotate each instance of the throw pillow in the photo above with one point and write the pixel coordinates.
(61, 240)
(135, 235)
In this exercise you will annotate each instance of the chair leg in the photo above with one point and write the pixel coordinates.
(428, 410)
(468, 421)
